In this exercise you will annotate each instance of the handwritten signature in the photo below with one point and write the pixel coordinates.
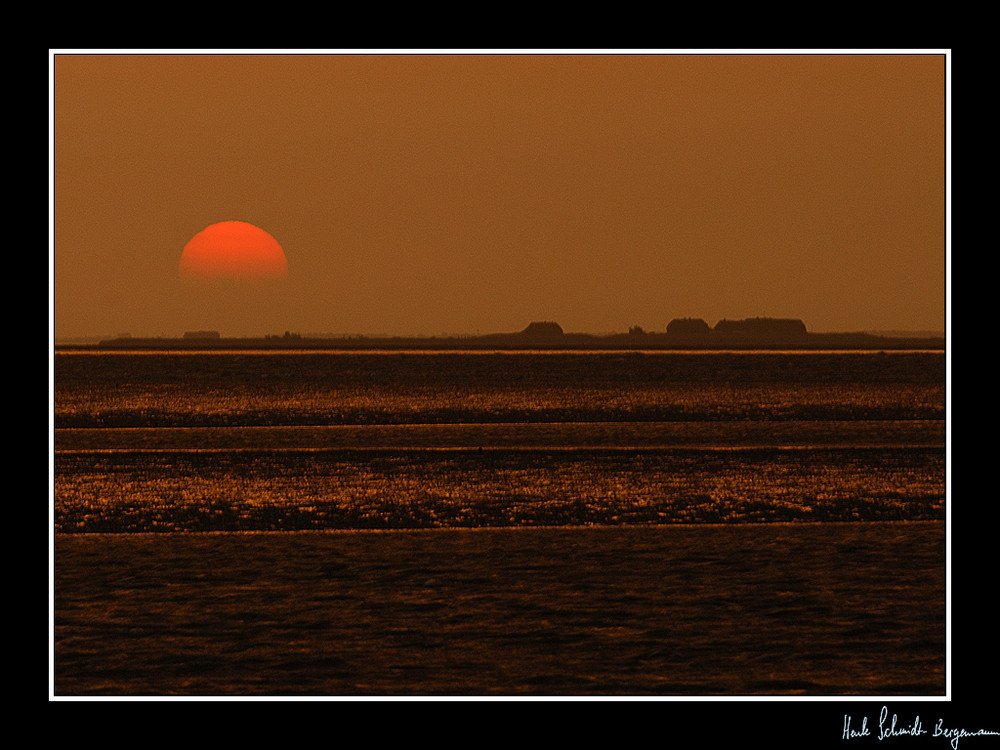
(889, 728)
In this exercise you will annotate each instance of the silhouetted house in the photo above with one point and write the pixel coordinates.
(201, 335)
(542, 330)
(688, 327)
(762, 328)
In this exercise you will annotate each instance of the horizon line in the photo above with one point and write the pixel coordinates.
(636, 332)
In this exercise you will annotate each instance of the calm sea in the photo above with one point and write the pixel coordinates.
(490, 522)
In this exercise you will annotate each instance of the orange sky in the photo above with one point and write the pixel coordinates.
(443, 193)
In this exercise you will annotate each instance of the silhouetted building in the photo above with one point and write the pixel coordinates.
(688, 327)
(762, 328)
(544, 329)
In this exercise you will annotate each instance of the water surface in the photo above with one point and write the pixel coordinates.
(234, 523)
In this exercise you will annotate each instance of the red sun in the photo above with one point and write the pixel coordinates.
(233, 250)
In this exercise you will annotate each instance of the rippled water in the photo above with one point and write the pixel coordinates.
(310, 388)
(790, 609)
(499, 523)
(270, 441)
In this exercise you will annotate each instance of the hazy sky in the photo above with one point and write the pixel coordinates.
(456, 193)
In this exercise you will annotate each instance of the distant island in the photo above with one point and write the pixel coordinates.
(680, 334)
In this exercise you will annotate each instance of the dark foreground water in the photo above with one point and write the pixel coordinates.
(499, 523)
(777, 609)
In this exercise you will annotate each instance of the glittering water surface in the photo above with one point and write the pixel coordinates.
(264, 441)
(315, 388)
(663, 523)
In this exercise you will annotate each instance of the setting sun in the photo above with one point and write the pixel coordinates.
(233, 250)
